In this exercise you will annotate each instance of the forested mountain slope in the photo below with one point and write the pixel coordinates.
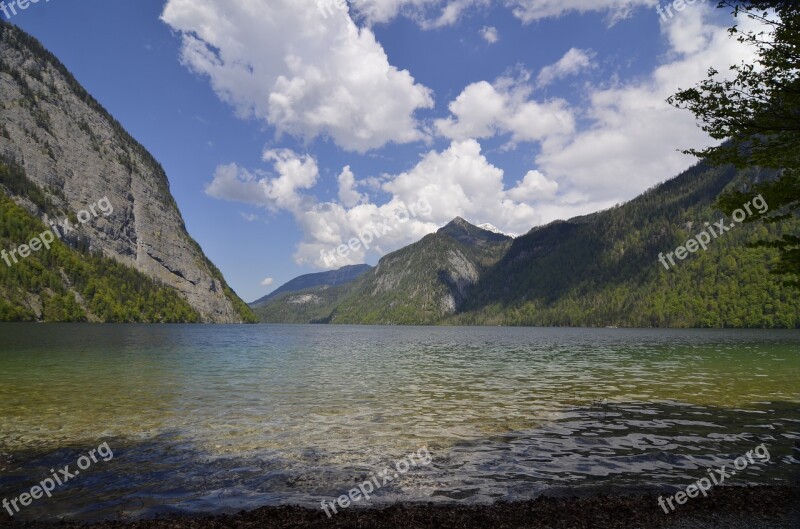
(603, 269)
(61, 152)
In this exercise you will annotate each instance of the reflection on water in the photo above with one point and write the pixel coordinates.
(208, 418)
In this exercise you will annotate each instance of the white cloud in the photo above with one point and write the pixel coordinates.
(231, 183)
(275, 193)
(458, 181)
(531, 10)
(306, 74)
(630, 138)
(633, 136)
(484, 110)
(381, 11)
(628, 141)
(533, 187)
(451, 13)
(249, 217)
(489, 34)
(573, 62)
(437, 13)
(267, 282)
(347, 193)
(429, 14)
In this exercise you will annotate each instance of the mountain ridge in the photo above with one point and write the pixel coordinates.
(600, 269)
(328, 278)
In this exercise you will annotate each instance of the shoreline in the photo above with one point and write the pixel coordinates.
(760, 507)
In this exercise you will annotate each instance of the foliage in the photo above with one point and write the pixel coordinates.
(422, 283)
(603, 269)
(64, 284)
(310, 305)
(757, 113)
(13, 177)
(34, 78)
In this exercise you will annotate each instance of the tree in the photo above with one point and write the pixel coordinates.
(757, 115)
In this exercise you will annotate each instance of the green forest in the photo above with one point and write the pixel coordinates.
(65, 284)
(603, 269)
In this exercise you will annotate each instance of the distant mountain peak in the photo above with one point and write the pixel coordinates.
(470, 234)
(459, 222)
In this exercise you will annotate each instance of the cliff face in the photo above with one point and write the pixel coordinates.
(77, 154)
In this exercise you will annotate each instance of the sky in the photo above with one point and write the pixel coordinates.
(297, 133)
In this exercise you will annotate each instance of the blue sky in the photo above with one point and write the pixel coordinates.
(286, 132)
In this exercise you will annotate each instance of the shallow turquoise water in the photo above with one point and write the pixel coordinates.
(215, 418)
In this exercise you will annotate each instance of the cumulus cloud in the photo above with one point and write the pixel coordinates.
(458, 181)
(629, 138)
(232, 184)
(573, 62)
(275, 193)
(627, 141)
(305, 73)
(483, 110)
(489, 34)
(633, 136)
(267, 282)
(533, 187)
(347, 193)
(381, 11)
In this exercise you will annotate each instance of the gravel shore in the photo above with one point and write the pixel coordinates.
(725, 508)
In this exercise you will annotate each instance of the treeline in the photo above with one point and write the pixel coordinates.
(74, 285)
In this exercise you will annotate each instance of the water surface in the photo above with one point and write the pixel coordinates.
(217, 418)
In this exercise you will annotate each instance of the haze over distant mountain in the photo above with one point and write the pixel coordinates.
(61, 152)
(332, 278)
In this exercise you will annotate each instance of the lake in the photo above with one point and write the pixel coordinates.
(221, 418)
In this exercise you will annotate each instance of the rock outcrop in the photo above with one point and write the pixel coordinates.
(77, 153)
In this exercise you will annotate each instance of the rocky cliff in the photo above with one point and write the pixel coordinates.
(77, 154)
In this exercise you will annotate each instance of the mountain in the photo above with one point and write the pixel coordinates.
(604, 269)
(309, 298)
(426, 281)
(595, 270)
(312, 305)
(421, 283)
(332, 278)
(61, 156)
(470, 235)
